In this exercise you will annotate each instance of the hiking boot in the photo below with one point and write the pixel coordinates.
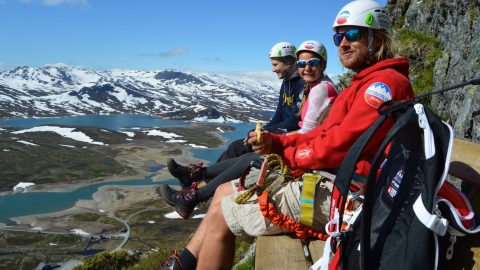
(172, 262)
(183, 200)
(186, 174)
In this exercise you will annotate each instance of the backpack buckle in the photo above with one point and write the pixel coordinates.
(438, 225)
(434, 222)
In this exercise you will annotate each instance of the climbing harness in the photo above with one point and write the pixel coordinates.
(274, 173)
(271, 169)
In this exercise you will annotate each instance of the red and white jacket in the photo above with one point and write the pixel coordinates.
(354, 110)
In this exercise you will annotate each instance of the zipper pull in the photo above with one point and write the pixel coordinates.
(422, 117)
(453, 239)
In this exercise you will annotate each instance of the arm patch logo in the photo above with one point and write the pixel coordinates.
(304, 153)
(376, 94)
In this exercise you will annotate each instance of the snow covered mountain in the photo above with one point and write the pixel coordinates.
(57, 90)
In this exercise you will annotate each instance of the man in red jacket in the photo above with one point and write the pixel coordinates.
(364, 45)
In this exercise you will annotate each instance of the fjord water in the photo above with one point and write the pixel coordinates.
(44, 202)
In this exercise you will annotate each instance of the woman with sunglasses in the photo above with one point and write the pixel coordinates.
(318, 94)
(319, 91)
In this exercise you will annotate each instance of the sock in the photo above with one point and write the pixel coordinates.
(187, 259)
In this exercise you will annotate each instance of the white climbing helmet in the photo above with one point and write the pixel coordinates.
(282, 49)
(364, 13)
(313, 46)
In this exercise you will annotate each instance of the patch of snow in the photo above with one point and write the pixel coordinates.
(6, 150)
(129, 133)
(37, 229)
(27, 143)
(176, 141)
(64, 132)
(175, 215)
(166, 135)
(151, 222)
(66, 145)
(221, 130)
(197, 146)
(22, 186)
(206, 119)
(79, 232)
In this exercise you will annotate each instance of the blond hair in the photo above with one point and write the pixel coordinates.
(385, 45)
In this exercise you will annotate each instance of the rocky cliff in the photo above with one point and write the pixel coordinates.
(455, 24)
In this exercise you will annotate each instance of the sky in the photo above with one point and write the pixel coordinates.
(188, 35)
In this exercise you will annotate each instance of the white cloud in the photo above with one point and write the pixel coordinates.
(174, 52)
(214, 59)
(170, 53)
(80, 3)
(54, 3)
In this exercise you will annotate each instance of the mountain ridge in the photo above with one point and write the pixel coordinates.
(58, 90)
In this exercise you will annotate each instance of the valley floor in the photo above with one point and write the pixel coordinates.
(118, 216)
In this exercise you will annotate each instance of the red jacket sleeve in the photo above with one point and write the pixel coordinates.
(326, 148)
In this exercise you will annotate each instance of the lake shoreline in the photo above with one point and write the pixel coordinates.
(96, 212)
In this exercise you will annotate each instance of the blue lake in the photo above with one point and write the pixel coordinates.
(44, 202)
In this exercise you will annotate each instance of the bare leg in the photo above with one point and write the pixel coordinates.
(195, 243)
(218, 248)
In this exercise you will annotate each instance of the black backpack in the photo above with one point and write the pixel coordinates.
(407, 207)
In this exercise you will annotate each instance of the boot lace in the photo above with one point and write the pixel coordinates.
(194, 169)
(173, 257)
(186, 194)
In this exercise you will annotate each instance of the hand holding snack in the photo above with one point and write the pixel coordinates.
(261, 141)
(258, 133)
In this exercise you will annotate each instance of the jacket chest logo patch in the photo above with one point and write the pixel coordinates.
(376, 94)
(288, 100)
(303, 154)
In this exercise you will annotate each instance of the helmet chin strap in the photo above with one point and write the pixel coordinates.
(290, 72)
(370, 46)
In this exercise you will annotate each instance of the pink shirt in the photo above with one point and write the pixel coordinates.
(321, 95)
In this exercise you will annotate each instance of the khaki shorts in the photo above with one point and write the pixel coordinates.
(247, 219)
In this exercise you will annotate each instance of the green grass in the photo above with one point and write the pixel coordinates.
(109, 261)
(154, 260)
(473, 12)
(247, 265)
(400, 23)
(93, 217)
(423, 51)
(241, 248)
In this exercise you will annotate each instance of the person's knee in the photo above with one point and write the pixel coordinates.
(224, 189)
(216, 223)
